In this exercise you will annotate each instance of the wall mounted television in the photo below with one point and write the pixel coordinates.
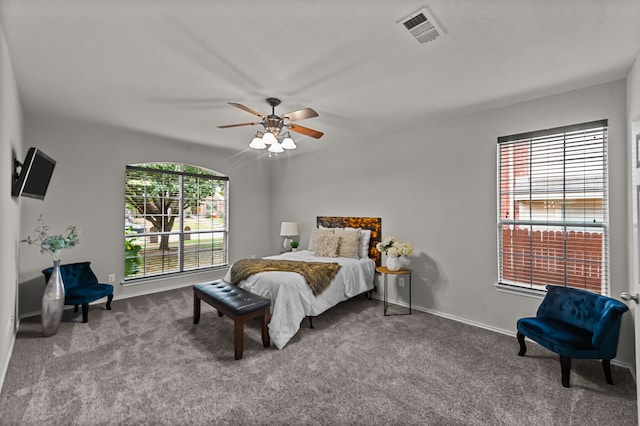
(35, 175)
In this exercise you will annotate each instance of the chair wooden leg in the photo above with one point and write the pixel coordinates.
(606, 366)
(523, 347)
(109, 299)
(85, 312)
(565, 366)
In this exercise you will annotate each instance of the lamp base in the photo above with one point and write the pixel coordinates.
(287, 243)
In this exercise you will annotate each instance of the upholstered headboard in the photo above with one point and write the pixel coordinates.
(372, 223)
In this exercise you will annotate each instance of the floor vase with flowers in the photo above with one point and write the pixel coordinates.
(53, 296)
(53, 302)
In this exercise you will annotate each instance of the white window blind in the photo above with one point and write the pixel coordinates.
(552, 208)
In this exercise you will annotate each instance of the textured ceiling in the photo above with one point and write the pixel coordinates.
(170, 67)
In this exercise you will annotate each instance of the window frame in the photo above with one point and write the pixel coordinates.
(178, 230)
(594, 269)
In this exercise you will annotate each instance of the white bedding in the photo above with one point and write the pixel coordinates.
(292, 299)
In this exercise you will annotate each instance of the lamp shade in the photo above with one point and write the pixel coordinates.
(276, 147)
(289, 229)
(287, 143)
(257, 143)
(268, 138)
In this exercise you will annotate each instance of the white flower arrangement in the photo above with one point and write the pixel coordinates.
(394, 248)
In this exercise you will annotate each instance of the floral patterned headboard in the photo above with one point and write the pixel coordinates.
(372, 223)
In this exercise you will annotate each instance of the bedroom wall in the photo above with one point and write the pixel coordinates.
(10, 146)
(633, 91)
(87, 190)
(435, 186)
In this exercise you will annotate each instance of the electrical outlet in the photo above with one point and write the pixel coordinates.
(112, 278)
(401, 282)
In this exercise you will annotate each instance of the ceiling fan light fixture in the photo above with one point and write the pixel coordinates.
(257, 142)
(269, 138)
(275, 135)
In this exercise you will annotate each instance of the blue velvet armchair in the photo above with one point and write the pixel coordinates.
(81, 286)
(575, 324)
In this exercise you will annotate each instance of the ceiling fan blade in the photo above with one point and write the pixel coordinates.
(247, 109)
(305, 131)
(300, 114)
(237, 125)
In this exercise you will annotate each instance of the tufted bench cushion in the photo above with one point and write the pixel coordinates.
(236, 303)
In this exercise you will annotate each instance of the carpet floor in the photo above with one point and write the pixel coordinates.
(145, 363)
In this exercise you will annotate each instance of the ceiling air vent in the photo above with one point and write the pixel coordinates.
(422, 26)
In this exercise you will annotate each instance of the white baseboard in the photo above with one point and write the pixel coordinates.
(121, 297)
(484, 326)
(155, 290)
(5, 364)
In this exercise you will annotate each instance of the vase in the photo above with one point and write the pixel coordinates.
(53, 302)
(395, 263)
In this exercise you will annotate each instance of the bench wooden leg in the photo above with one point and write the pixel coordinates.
(238, 338)
(266, 318)
(196, 309)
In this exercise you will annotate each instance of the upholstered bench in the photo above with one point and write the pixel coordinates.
(236, 303)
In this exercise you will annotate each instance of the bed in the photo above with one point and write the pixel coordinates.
(292, 298)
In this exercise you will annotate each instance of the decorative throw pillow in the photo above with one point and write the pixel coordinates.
(328, 245)
(349, 242)
(365, 239)
(316, 235)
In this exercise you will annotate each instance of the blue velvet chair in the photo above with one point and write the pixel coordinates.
(575, 324)
(81, 286)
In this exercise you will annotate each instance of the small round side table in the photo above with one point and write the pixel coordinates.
(385, 272)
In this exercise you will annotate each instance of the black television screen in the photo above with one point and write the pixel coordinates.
(35, 175)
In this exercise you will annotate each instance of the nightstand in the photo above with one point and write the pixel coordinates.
(385, 272)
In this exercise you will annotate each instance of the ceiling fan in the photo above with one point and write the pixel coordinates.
(276, 124)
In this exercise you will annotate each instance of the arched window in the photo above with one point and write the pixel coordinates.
(175, 219)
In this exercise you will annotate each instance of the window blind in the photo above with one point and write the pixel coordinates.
(552, 208)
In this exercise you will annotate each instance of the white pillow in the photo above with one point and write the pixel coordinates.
(365, 239)
(327, 245)
(349, 242)
(316, 234)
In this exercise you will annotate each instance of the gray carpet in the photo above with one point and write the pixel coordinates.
(146, 363)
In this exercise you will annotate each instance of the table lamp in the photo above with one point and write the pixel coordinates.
(288, 230)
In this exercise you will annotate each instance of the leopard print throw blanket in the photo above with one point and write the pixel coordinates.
(318, 275)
